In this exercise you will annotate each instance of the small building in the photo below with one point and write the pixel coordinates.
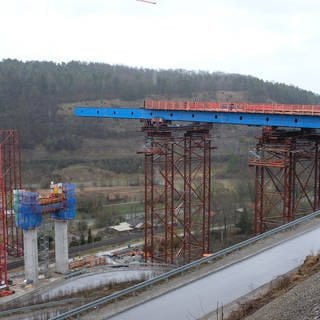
(139, 226)
(121, 227)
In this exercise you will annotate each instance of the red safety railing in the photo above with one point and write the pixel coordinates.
(299, 109)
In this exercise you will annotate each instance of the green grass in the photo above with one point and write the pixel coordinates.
(125, 208)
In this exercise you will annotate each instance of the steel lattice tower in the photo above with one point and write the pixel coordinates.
(177, 192)
(287, 176)
(10, 179)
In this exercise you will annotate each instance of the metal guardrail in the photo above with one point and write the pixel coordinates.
(182, 269)
(273, 108)
(39, 306)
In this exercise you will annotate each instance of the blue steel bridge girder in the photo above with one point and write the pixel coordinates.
(293, 181)
(237, 118)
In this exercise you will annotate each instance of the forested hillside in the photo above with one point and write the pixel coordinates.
(99, 155)
(30, 93)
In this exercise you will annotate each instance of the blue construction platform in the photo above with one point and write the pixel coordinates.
(29, 207)
(237, 118)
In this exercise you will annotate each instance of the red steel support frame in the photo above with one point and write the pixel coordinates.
(197, 182)
(177, 193)
(287, 176)
(11, 240)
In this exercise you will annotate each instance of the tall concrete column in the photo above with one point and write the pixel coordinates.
(61, 246)
(31, 255)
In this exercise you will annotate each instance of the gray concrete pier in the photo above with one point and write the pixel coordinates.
(61, 246)
(31, 255)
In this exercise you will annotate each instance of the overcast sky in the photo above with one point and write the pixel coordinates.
(277, 40)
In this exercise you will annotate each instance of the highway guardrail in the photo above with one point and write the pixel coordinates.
(180, 270)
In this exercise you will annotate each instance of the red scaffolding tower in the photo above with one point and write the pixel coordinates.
(287, 176)
(177, 192)
(11, 240)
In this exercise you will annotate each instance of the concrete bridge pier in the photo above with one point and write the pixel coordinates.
(61, 246)
(31, 255)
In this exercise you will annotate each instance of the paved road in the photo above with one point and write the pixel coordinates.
(198, 298)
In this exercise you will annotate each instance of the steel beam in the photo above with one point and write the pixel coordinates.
(239, 118)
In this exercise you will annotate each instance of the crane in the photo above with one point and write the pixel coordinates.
(148, 1)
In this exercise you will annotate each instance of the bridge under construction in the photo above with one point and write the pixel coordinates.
(178, 214)
(178, 208)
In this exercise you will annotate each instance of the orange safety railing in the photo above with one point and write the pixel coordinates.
(271, 108)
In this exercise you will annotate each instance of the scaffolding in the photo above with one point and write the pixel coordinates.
(68, 209)
(287, 176)
(177, 192)
(27, 209)
(31, 208)
(11, 239)
(43, 253)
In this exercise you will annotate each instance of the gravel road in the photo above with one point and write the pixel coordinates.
(300, 303)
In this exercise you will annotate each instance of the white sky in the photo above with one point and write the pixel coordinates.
(277, 40)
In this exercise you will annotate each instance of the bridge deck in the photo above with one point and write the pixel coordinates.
(215, 116)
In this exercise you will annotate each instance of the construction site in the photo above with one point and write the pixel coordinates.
(178, 218)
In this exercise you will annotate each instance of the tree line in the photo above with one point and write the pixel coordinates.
(31, 91)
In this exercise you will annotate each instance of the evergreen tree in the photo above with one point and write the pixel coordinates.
(89, 236)
(82, 239)
(245, 222)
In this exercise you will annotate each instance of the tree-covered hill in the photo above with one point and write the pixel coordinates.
(30, 93)
(37, 99)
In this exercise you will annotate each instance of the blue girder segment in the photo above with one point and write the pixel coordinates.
(241, 118)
